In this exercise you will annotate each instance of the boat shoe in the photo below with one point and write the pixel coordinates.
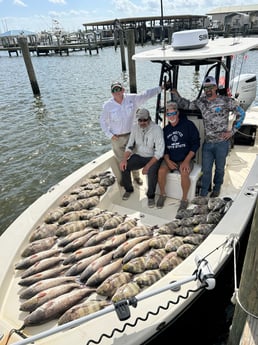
(161, 200)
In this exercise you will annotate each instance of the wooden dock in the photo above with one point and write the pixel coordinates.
(59, 48)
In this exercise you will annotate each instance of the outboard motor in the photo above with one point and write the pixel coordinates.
(243, 87)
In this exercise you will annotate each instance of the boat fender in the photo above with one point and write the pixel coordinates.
(205, 273)
(190, 39)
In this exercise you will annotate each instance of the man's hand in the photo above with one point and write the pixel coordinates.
(123, 165)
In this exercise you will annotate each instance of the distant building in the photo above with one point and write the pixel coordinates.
(235, 19)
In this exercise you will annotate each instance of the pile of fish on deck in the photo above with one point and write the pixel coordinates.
(82, 258)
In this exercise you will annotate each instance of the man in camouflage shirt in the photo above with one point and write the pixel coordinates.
(215, 110)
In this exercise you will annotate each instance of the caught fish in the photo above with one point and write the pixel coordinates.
(195, 239)
(201, 209)
(199, 218)
(80, 266)
(67, 199)
(99, 220)
(127, 290)
(109, 286)
(126, 226)
(39, 246)
(204, 229)
(50, 273)
(169, 228)
(79, 242)
(216, 204)
(154, 257)
(169, 262)
(184, 230)
(159, 241)
(46, 295)
(137, 250)
(103, 272)
(185, 250)
(126, 246)
(101, 190)
(43, 231)
(148, 278)
(73, 236)
(73, 216)
(140, 230)
(82, 309)
(184, 213)
(81, 204)
(31, 260)
(114, 241)
(214, 217)
(42, 265)
(68, 228)
(187, 221)
(200, 200)
(113, 222)
(95, 265)
(82, 253)
(53, 216)
(136, 265)
(107, 181)
(174, 243)
(56, 307)
(99, 237)
(44, 285)
(91, 185)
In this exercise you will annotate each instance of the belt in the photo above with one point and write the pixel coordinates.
(122, 135)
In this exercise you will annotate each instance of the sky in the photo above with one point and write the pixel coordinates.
(70, 15)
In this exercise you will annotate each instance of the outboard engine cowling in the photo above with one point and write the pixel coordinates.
(243, 87)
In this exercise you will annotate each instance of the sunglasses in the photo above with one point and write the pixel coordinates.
(172, 113)
(143, 120)
(208, 87)
(116, 89)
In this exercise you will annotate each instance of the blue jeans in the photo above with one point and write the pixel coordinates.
(136, 162)
(213, 153)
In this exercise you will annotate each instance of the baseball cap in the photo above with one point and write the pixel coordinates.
(209, 80)
(116, 84)
(142, 114)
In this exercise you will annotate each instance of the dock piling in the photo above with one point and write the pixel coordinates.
(23, 43)
(130, 39)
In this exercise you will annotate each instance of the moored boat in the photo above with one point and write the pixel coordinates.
(33, 247)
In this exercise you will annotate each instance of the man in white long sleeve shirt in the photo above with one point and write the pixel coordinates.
(118, 116)
(144, 151)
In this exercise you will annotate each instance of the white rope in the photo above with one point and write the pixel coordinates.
(236, 290)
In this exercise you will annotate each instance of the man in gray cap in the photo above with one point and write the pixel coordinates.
(144, 150)
(215, 110)
(118, 116)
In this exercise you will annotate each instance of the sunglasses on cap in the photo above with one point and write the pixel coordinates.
(143, 120)
(171, 113)
(208, 87)
(116, 89)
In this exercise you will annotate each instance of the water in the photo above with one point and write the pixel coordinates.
(44, 140)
